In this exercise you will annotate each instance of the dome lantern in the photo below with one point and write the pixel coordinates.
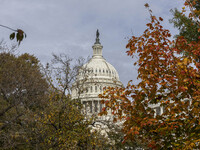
(97, 47)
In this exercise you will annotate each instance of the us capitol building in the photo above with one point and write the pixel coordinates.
(92, 78)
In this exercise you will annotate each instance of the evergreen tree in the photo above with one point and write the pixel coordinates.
(186, 26)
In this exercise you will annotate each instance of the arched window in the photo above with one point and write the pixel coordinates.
(95, 88)
(86, 90)
(91, 89)
(100, 70)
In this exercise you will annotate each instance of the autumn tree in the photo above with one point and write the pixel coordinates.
(62, 125)
(166, 78)
(22, 93)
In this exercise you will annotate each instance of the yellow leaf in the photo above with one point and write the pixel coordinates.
(186, 80)
(140, 44)
(196, 104)
(185, 61)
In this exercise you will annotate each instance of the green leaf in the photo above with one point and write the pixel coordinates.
(19, 37)
(12, 36)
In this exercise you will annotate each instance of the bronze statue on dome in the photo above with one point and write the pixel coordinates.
(97, 37)
(97, 33)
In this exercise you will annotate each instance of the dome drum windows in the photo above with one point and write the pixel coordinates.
(91, 89)
(100, 89)
(105, 71)
(95, 88)
(86, 90)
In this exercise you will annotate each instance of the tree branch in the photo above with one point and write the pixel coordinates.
(8, 28)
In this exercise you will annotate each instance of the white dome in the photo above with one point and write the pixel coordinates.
(96, 74)
(101, 68)
(98, 67)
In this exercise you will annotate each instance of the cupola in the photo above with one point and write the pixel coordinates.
(97, 47)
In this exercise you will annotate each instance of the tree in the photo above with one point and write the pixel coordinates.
(167, 78)
(187, 26)
(115, 135)
(36, 108)
(22, 93)
(62, 125)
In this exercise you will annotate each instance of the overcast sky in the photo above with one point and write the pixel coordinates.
(69, 26)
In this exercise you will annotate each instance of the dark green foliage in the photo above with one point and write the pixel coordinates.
(22, 93)
(12, 36)
(186, 26)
